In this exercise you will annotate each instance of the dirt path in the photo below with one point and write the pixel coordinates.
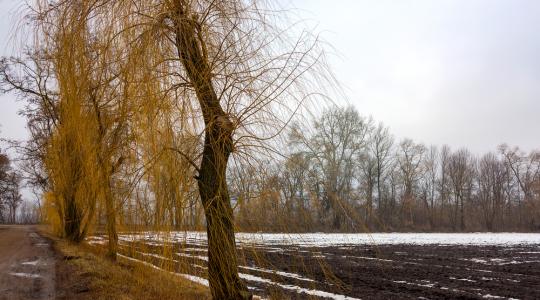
(27, 264)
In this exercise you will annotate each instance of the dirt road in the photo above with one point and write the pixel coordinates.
(27, 264)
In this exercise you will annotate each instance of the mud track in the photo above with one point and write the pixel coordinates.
(27, 264)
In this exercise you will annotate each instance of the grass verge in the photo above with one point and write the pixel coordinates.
(83, 273)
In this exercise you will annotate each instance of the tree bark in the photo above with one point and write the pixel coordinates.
(111, 224)
(224, 280)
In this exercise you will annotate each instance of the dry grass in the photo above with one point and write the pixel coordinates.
(82, 273)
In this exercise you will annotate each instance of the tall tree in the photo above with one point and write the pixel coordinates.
(492, 176)
(335, 145)
(430, 182)
(460, 174)
(242, 84)
(410, 164)
(526, 172)
(380, 145)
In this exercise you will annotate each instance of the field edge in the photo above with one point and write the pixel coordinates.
(82, 272)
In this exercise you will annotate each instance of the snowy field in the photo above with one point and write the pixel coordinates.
(358, 266)
(340, 239)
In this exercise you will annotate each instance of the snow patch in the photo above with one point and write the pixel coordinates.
(428, 285)
(280, 273)
(297, 289)
(333, 239)
(189, 277)
(498, 261)
(26, 275)
(371, 258)
(462, 279)
(193, 256)
(30, 263)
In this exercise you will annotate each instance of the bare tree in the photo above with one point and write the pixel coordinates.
(294, 182)
(410, 164)
(525, 170)
(492, 177)
(4, 169)
(431, 166)
(444, 158)
(368, 180)
(380, 145)
(461, 176)
(12, 195)
(339, 137)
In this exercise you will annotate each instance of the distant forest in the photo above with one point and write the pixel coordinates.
(346, 173)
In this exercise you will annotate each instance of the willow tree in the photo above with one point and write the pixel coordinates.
(238, 75)
(95, 87)
(64, 36)
(243, 78)
(77, 111)
(50, 77)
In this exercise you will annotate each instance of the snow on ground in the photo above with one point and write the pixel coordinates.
(30, 263)
(340, 239)
(193, 245)
(189, 277)
(300, 290)
(499, 261)
(249, 277)
(280, 273)
(25, 275)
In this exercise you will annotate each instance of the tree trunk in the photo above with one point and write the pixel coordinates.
(222, 262)
(12, 211)
(178, 214)
(369, 208)
(72, 220)
(225, 283)
(462, 215)
(381, 202)
(111, 224)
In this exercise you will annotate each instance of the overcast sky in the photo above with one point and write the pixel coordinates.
(464, 73)
(11, 125)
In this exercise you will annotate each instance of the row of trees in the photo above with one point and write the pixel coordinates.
(135, 109)
(344, 172)
(10, 196)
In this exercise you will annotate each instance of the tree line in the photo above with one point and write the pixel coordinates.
(10, 196)
(345, 172)
(136, 109)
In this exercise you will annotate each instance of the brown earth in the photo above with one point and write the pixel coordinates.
(371, 271)
(83, 273)
(27, 264)
(36, 265)
(417, 272)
